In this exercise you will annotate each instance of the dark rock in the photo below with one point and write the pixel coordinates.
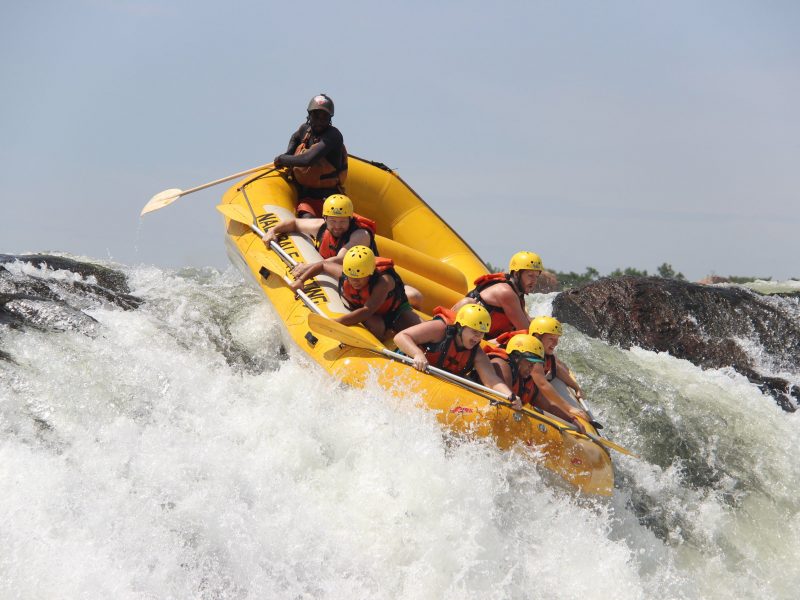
(699, 323)
(547, 282)
(50, 303)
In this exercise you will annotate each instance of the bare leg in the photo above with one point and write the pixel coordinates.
(408, 318)
(376, 326)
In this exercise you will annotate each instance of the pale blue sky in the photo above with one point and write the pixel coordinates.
(608, 134)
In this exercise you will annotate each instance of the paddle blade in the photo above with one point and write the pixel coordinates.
(342, 333)
(236, 212)
(161, 199)
(611, 445)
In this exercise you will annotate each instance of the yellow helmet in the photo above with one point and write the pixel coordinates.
(541, 325)
(337, 205)
(525, 260)
(359, 262)
(474, 316)
(530, 348)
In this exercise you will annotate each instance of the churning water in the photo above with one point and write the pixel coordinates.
(174, 450)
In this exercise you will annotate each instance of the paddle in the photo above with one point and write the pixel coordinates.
(350, 337)
(585, 408)
(238, 213)
(319, 323)
(167, 197)
(272, 265)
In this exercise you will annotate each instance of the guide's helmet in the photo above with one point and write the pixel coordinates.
(321, 102)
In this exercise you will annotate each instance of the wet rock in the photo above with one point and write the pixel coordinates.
(56, 295)
(705, 325)
(547, 282)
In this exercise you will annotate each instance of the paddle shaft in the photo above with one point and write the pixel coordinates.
(273, 245)
(485, 391)
(445, 374)
(224, 179)
(288, 260)
(232, 212)
(585, 407)
(348, 336)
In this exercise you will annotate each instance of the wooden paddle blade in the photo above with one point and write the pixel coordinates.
(342, 333)
(161, 199)
(236, 212)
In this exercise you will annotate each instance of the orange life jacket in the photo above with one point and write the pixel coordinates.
(445, 353)
(525, 388)
(354, 298)
(550, 366)
(500, 322)
(329, 246)
(504, 338)
(322, 174)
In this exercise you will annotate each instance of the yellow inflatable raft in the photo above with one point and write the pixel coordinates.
(430, 256)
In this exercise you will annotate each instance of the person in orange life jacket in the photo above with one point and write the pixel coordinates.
(317, 158)
(373, 291)
(503, 294)
(452, 342)
(521, 365)
(548, 330)
(334, 234)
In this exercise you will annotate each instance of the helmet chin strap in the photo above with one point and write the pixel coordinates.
(458, 338)
(328, 124)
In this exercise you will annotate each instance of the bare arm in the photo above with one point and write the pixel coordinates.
(332, 265)
(378, 296)
(360, 237)
(509, 302)
(487, 374)
(502, 369)
(305, 159)
(309, 227)
(410, 340)
(553, 402)
(562, 372)
(288, 226)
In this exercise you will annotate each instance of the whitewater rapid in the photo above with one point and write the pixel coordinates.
(175, 450)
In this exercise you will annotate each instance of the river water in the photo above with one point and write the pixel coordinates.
(176, 451)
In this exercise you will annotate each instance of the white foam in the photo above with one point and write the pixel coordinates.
(150, 462)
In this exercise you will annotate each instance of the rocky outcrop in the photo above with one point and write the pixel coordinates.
(547, 282)
(47, 301)
(705, 325)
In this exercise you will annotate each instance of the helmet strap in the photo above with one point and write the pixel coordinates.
(328, 124)
(514, 280)
(458, 340)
